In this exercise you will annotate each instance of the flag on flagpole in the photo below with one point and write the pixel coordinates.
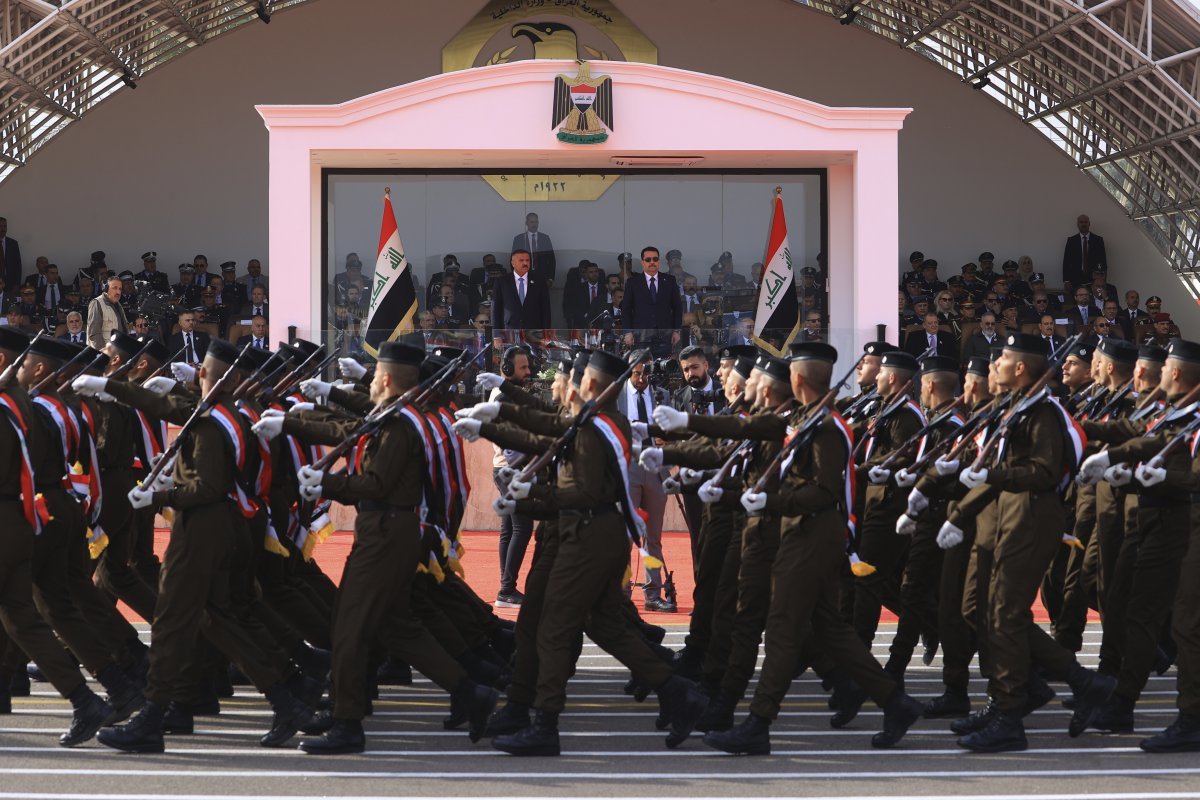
(777, 320)
(393, 295)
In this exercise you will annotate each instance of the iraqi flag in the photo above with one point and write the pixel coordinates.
(777, 320)
(393, 295)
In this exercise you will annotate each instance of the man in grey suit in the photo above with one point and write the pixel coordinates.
(636, 401)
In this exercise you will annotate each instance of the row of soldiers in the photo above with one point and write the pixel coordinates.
(947, 505)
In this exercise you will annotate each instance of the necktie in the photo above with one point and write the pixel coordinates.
(642, 416)
(258, 343)
(592, 293)
(1083, 314)
(190, 354)
(654, 289)
(521, 289)
(52, 296)
(933, 341)
(1084, 239)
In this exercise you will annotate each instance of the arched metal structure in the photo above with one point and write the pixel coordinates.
(1115, 84)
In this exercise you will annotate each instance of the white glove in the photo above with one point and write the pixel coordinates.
(184, 373)
(309, 476)
(1092, 468)
(651, 459)
(946, 466)
(140, 497)
(505, 475)
(89, 385)
(917, 503)
(351, 369)
(669, 419)
(268, 427)
(105, 397)
(971, 478)
(298, 407)
(949, 536)
(488, 381)
(310, 493)
(906, 525)
(504, 507)
(315, 389)
(161, 385)
(753, 501)
(905, 479)
(468, 428)
(1151, 473)
(710, 493)
(1118, 474)
(519, 489)
(484, 412)
(164, 481)
(672, 486)
(640, 430)
(690, 477)
(878, 476)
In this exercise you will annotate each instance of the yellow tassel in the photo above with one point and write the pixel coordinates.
(650, 561)
(310, 544)
(421, 569)
(435, 569)
(97, 547)
(273, 545)
(457, 566)
(628, 576)
(1072, 541)
(860, 568)
(169, 515)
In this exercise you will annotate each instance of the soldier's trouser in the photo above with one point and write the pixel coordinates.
(716, 658)
(956, 634)
(523, 686)
(714, 544)
(1185, 622)
(115, 571)
(760, 543)
(880, 547)
(1114, 612)
(918, 593)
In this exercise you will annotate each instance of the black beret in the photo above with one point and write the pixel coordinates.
(607, 364)
(1184, 350)
(13, 339)
(1083, 349)
(743, 365)
(255, 358)
(306, 347)
(222, 351)
(1026, 343)
(978, 365)
(819, 351)
(898, 359)
(775, 368)
(287, 352)
(56, 349)
(394, 353)
(432, 365)
(994, 352)
(1147, 352)
(938, 364)
(877, 348)
(156, 349)
(1118, 350)
(581, 361)
(738, 350)
(126, 344)
(564, 366)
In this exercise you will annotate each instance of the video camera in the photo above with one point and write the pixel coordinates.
(157, 307)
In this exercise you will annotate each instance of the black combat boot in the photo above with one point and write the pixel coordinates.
(178, 720)
(1004, 733)
(1092, 690)
(752, 737)
(473, 704)
(683, 704)
(90, 714)
(953, 703)
(511, 718)
(976, 720)
(290, 713)
(539, 739)
(719, 714)
(142, 734)
(1115, 716)
(846, 701)
(899, 714)
(1182, 736)
(124, 697)
(344, 736)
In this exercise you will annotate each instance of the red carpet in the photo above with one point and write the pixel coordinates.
(482, 560)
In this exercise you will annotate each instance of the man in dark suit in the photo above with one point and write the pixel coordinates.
(258, 305)
(1083, 311)
(53, 291)
(193, 343)
(540, 249)
(521, 301)
(580, 292)
(1131, 316)
(74, 332)
(651, 307)
(983, 340)
(1084, 252)
(257, 335)
(917, 342)
(480, 282)
(1046, 331)
(12, 256)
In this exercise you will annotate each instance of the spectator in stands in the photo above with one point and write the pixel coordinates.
(580, 293)
(689, 295)
(542, 263)
(106, 315)
(1112, 313)
(449, 265)
(74, 332)
(1046, 331)
(12, 255)
(1084, 252)
(1100, 287)
(352, 273)
(981, 342)
(916, 314)
(1025, 269)
(254, 277)
(38, 276)
(158, 281)
(1081, 313)
(52, 290)
(75, 302)
(1131, 310)
(211, 313)
(481, 323)
(457, 304)
(257, 335)
(966, 312)
(991, 301)
(1101, 327)
(943, 304)
(200, 264)
(141, 326)
(482, 276)
(930, 284)
(813, 330)
(233, 294)
(32, 313)
(930, 336)
(915, 259)
(1009, 315)
(987, 263)
(259, 307)
(1162, 330)
(191, 344)
(186, 292)
(13, 318)
(971, 281)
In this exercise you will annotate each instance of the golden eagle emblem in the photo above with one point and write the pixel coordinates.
(583, 107)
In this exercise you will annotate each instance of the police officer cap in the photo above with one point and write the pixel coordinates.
(12, 338)
(1151, 352)
(921, 298)
(187, 269)
(1118, 350)
(978, 365)
(51, 348)
(229, 266)
(744, 365)
(150, 255)
(938, 364)
(877, 348)
(818, 351)
(1009, 265)
(673, 254)
(581, 361)
(396, 353)
(1184, 350)
(222, 351)
(98, 257)
(773, 367)
(954, 280)
(809, 272)
(986, 256)
(125, 344)
(155, 348)
(915, 255)
(1026, 343)
(1037, 277)
(607, 364)
(306, 347)
(738, 350)
(898, 359)
(127, 275)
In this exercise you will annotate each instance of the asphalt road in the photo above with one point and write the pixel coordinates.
(611, 750)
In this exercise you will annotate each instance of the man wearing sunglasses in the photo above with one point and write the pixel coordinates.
(651, 308)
